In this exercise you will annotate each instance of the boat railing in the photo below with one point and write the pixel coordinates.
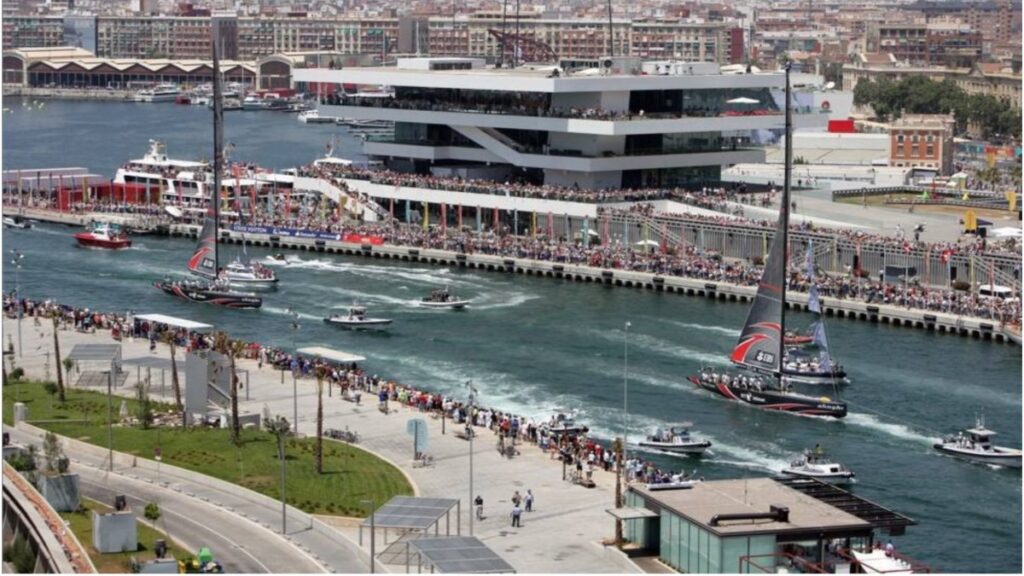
(771, 563)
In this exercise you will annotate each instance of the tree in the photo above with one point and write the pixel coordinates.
(55, 317)
(144, 407)
(52, 453)
(152, 512)
(232, 350)
(20, 554)
(169, 339)
(321, 375)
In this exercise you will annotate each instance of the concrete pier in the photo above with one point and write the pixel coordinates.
(973, 327)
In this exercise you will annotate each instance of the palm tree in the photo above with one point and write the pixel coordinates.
(168, 338)
(55, 317)
(321, 374)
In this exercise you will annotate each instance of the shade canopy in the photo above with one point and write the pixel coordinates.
(175, 322)
(410, 512)
(742, 100)
(459, 554)
(106, 353)
(331, 354)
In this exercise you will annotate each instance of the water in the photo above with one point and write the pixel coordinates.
(537, 345)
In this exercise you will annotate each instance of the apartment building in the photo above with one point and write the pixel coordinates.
(922, 141)
(997, 79)
(935, 43)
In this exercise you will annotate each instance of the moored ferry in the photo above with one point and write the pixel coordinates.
(160, 93)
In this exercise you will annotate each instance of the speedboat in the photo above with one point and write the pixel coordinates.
(564, 423)
(282, 259)
(816, 464)
(442, 298)
(676, 439)
(681, 481)
(104, 235)
(975, 444)
(249, 274)
(17, 222)
(356, 319)
(794, 339)
(206, 292)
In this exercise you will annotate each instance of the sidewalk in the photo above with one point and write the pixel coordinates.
(562, 534)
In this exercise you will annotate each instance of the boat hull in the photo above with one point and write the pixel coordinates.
(216, 297)
(833, 478)
(815, 377)
(1009, 459)
(774, 400)
(87, 240)
(368, 324)
(696, 448)
(459, 305)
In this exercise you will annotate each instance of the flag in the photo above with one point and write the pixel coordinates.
(604, 231)
(496, 219)
(825, 361)
(818, 335)
(551, 225)
(426, 216)
(857, 271)
(906, 247)
(945, 256)
(444, 218)
(586, 232)
(458, 214)
(664, 239)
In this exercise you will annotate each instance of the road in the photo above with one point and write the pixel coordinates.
(240, 544)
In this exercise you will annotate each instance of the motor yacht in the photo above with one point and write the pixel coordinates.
(676, 439)
(442, 298)
(356, 319)
(816, 464)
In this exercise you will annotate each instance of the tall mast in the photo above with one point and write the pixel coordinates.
(784, 216)
(218, 143)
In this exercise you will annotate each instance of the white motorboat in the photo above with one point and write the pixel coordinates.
(356, 319)
(975, 444)
(17, 222)
(816, 464)
(681, 481)
(282, 259)
(253, 275)
(676, 439)
(161, 93)
(442, 298)
(564, 422)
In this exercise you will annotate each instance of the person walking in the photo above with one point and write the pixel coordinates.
(517, 513)
(529, 500)
(517, 498)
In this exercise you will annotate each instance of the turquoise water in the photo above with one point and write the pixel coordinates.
(535, 345)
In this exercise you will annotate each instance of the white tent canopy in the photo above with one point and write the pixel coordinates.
(742, 100)
(1006, 232)
(174, 322)
(331, 355)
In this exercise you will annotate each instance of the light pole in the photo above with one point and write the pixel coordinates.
(16, 258)
(625, 389)
(472, 433)
(295, 366)
(373, 533)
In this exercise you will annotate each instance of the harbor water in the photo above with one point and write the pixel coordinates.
(537, 346)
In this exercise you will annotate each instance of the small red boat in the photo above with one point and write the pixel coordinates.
(793, 339)
(183, 99)
(104, 235)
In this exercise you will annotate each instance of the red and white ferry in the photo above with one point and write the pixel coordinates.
(104, 235)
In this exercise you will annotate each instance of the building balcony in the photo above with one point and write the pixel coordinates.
(496, 152)
(619, 125)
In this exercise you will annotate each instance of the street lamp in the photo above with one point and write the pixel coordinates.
(472, 432)
(295, 366)
(625, 389)
(16, 258)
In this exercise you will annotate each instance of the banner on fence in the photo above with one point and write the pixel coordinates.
(290, 232)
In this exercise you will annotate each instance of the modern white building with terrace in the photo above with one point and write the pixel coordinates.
(618, 125)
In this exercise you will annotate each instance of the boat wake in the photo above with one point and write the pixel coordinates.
(662, 347)
(510, 302)
(732, 333)
(284, 312)
(899, 431)
(426, 276)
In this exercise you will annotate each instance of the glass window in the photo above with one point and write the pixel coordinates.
(691, 549)
(732, 550)
(760, 546)
(714, 554)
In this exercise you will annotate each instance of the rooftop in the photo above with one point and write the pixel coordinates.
(752, 496)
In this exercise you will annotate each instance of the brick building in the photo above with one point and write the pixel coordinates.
(922, 141)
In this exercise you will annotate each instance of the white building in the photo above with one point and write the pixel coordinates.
(676, 124)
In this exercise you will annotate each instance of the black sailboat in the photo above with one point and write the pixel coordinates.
(212, 288)
(761, 347)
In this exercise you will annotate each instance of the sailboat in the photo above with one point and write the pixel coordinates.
(213, 288)
(761, 348)
(803, 366)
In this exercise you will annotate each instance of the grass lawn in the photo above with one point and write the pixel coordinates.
(116, 563)
(350, 475)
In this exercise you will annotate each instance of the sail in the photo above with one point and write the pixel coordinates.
(821, 341)
(204, 259)
(760, 341)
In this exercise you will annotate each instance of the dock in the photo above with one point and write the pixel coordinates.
(933, 321)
